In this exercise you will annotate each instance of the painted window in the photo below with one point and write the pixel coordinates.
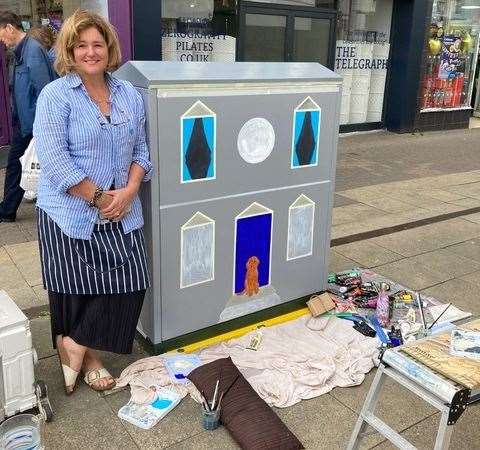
(306, 134)
(300, 228)
(198, 137)
(197, 251)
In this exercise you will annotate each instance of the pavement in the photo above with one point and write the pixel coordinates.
(407, 206)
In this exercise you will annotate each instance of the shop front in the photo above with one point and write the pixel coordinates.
(390, 80)
(447, 92)
(349, 36)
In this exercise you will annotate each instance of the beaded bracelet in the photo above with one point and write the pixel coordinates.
(96, 196)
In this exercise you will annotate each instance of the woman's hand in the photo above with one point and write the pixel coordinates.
(120, 205)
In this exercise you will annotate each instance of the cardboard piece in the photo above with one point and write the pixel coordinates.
(320, 304)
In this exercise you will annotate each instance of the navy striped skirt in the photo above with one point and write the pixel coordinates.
(111, 262)
(96, 287)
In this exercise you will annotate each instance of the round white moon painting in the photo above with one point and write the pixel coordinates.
(256, 140)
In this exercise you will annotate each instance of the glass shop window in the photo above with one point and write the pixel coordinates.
(361, 57)
(50, 13)
(198, 30)
(451, 55)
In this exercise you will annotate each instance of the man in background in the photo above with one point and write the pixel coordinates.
(32, 71)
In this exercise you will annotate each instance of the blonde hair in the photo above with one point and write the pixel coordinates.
(69, 36)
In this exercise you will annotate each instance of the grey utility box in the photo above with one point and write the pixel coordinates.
(238, 212)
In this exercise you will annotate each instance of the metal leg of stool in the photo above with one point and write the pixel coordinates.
(368, 408)
(444, 433)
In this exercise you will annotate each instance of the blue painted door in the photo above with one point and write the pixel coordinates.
(253, 238)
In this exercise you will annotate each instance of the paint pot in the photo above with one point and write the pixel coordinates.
(22, 432)
(210, 419)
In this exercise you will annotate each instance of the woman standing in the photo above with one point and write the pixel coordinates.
(90, 139)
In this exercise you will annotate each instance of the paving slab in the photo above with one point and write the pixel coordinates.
(472, 278)
(384, 220)
(23, 295)
(440, 194)
(443, 208)
(380, 157)
(413, 274)
(467, 190)
(423, 434)
(82, 420)
(26, 257)
(446, 262)
(12, 234)
(353, 213)
(42, 336)
(321, 423)
(41, 294)
(467, 202)
(218, 439)
(397, 406)
(388, 204)
(462, 293)
(414, 198)
(429, 237)
(469, 249)
(367, 253)
(459, 178)
(475, 218)
(340, 200)
(338, 263)
(362, 194)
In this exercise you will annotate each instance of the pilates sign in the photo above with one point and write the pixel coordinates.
(197, 47)
(347, 57)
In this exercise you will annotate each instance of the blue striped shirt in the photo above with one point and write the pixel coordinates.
(74, 141)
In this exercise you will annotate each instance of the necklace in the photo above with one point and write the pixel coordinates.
(101, 100)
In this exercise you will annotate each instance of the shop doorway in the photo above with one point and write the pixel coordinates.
(476, 91)
(279, 33)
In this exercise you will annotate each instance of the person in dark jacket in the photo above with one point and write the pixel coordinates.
(32, 71)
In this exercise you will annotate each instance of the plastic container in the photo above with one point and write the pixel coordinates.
(210, 419)
(22, 432)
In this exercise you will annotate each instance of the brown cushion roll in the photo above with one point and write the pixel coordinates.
(250, 421)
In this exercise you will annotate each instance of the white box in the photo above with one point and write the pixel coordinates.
(17, 358)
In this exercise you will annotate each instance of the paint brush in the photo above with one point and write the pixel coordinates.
(215, 395)
(220, 401)
(206, 401)
(441, 314)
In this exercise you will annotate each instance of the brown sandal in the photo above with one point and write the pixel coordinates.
(94, 375)
(69, 375)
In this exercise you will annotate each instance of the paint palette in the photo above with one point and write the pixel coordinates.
(179, 366)
(147, 416)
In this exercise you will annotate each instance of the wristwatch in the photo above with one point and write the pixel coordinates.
(96, 196)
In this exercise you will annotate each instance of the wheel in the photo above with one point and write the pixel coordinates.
(41, 389)
(46, 410)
